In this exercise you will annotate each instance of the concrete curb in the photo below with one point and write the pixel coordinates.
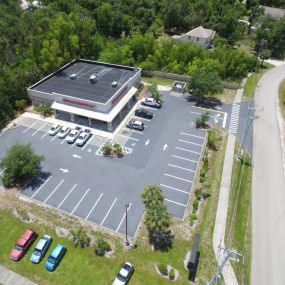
(8, 277)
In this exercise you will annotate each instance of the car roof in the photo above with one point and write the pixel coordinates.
(23, 239)
(73, 131)
(137, 122)
(124, 272)
(64, 128)
(56, 251)
(40, 245)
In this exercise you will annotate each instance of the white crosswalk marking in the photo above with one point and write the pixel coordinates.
(234, 119)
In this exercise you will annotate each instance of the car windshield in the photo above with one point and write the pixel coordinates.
(127, 267)
(72, 135)
(53, 128)
(18, 247)
(121, 277)
(51, 260)
(37, 252)
(62, 131)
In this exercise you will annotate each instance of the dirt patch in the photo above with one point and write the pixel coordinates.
(111, 252)
(24, 215)
(61, 232)
(169, 267)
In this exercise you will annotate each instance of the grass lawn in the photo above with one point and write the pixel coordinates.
(158, 80)
(238, 232)
(282, 98)
(81, 266)
(251, 82)
(228, 95)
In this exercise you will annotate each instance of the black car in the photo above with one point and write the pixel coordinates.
(143, 113)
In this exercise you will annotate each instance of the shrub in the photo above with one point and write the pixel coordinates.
(163, 269)
(118, 149)
(213, 139)
(21, 104)
(192, 219)
(171, 274)
(206, 195)
(198, 193)
(195, 206)
(101, 247)
(80, 238)
(201, 122)
(44, 109)
(107, 148)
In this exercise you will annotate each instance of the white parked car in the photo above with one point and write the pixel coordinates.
(151, 103)
(63, 132)
(124, 275)
(54, 129)
(82, 138)
(72, 136)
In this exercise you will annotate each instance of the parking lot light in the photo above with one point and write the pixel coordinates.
(127, 243)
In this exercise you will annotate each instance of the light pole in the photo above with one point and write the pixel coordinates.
(127, 243)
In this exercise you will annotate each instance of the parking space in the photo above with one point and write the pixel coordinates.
(82, 182)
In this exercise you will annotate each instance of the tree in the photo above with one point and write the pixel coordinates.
(213, 139)
(264, 54)
(205, 83)
(156, 94)
(44, 109)
(80, 238)
(201, 122)
(157, 218)
(20, 164)
(152, 196)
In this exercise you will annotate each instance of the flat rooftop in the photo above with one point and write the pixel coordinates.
(80, 87)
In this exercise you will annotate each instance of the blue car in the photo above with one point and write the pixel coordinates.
(55, 257)
(41, 249)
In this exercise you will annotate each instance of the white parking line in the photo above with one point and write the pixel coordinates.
(176, 166)
(183, 205)
(80, 201)
(108, 212)
(54, 190)
(184, 158)
(190, 142)
(123, 218)
(70, 191)
(41, 187)
(39, 129)
(63, 141)
(29, 127)
(130, 138)
(93, 206)
(166, 174)
(173, 188)
(186, 134)
(213, 117)
(73, 144)
(53, 138)
(44, 135)
(187, 150)
(140, 118)
(87, 143)
(225, 120)
(134, 131)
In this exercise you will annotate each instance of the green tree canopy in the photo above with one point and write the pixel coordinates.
(152, 196)
(20, 164)
(205, 83)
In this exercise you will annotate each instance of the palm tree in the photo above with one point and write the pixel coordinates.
(158, 219)
(152, 196)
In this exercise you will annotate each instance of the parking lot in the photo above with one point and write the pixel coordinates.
(84, 183)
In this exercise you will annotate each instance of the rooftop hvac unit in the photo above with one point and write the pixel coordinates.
(114, 84)
(93, 78)
(73, 76)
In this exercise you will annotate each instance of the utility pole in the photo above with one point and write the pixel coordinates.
(228, 254)
(252, 118)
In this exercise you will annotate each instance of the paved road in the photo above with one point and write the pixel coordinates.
(268, 187)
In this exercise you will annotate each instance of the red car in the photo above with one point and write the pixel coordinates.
(23, 244)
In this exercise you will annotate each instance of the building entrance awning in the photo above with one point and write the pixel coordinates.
(93, 114)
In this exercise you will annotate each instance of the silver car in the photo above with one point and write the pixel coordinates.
(72, 136)
(54, 129)
(63, 132)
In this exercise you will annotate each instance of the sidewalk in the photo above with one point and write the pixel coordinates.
(222, 209)
(8, 277)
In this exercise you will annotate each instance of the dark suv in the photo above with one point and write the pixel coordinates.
(134, 124)
(143, 113)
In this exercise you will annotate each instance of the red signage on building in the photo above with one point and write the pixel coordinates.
(81, 104)
(120, 96)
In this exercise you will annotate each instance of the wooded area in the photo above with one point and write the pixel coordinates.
(36, 42)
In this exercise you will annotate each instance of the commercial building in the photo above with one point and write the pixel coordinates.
(89, 92)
